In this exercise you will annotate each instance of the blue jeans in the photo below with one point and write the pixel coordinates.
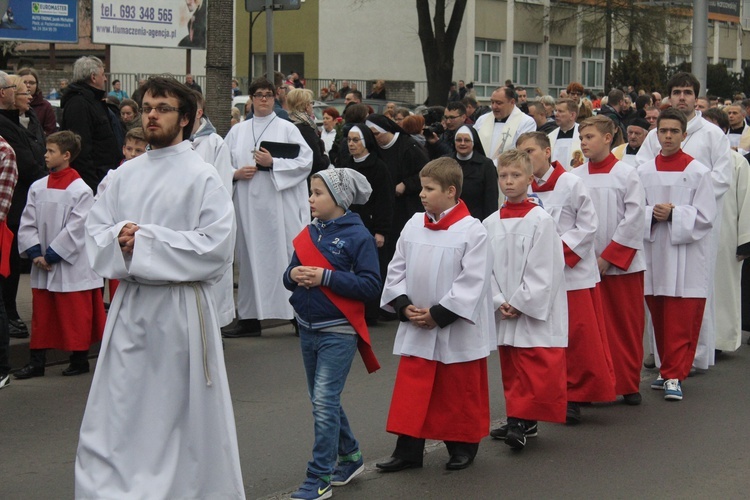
(328, 358)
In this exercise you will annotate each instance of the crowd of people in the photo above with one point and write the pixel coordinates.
(541, 229)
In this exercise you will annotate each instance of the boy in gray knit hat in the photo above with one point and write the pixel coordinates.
(334, 269)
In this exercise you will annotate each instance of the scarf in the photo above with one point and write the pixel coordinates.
(459, 212)
(302, 117)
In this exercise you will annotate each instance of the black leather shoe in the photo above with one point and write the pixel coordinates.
(244, 328)
(17, 329)
(75, 370)
(458, 462)
(573, 414)
(396, 464)
(633, 399)
(29, 371)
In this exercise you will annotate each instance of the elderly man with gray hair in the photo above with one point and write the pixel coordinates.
(86, 114)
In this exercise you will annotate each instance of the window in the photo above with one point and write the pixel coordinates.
(677, 59)
(729, 63)
(525, 59)
(486, 66)
(560, 62)
(286, 63)
(592, 69)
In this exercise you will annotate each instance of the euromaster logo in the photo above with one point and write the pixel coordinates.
(49, 9)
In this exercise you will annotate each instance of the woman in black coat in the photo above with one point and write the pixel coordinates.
(480, 190)
(377, 213)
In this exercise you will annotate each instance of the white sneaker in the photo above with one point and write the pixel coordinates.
(4, 380)
(672, 390)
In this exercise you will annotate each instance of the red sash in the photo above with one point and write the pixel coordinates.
(6, 243)
(353, 310)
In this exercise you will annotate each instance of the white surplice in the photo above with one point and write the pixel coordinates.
(571, 207)
(563, 150)
(528, 274)
(708, 144)
(214, 151)
(618, 199)
(735, 231)
(159, 421)
(675, 251)
(271, 208)
(55, 218)
(448, 267)
(498, 137)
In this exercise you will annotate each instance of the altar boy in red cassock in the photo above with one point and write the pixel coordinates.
(680, 210)
(617, 193)
(68, 311)
(591, 376)
(528, 288)
(438, 283)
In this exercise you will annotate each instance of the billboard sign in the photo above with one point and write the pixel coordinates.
(179, 24)
(29, 21)
(724, 10)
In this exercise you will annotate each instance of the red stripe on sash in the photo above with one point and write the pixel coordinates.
(6, 243)
(353, 310)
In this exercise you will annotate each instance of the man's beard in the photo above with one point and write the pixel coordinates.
(162, 137)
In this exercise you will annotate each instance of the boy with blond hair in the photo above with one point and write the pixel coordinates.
(438, 284)
(564, 196)
(531, 309)
(618, 196)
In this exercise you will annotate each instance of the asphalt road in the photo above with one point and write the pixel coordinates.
(696, 448)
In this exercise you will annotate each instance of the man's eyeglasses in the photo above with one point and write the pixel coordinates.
(8, 87)
(162, 110)
(448, 117)
(263, 96)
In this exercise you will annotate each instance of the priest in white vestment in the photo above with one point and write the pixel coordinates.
(270, 200)
(499, 130)
(159, 421)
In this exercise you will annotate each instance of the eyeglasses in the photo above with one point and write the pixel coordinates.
(8, 87)
(30, 83)
(263, 96)
(354, 140)
(575, 92)
(448, 117)
(464, 141)
(161, 109)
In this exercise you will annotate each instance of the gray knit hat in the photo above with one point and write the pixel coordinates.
(346, 185)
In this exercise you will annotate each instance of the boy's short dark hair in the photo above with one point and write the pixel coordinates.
(67, 141)
(684, 79)
(135, 134)
(673, 114)
(601, 123)
(516, 157)
(159, 86)
(261, 84)
(540, 138)
(456, 106)
(446, 172)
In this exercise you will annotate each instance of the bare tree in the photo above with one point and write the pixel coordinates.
(438, 44)
(220, 37)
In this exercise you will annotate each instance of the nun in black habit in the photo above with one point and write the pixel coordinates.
(480, 190)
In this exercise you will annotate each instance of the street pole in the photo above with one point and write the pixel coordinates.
(269, 41)
(700, 42)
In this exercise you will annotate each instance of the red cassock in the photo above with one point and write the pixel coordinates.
(677, 324)
(68, 321)
(624, 317)
(445, 402)
(591, 375)
(530, 392)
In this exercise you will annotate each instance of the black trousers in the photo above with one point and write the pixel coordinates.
(411, 449)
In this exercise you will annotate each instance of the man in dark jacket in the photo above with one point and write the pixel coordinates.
(86, 114)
